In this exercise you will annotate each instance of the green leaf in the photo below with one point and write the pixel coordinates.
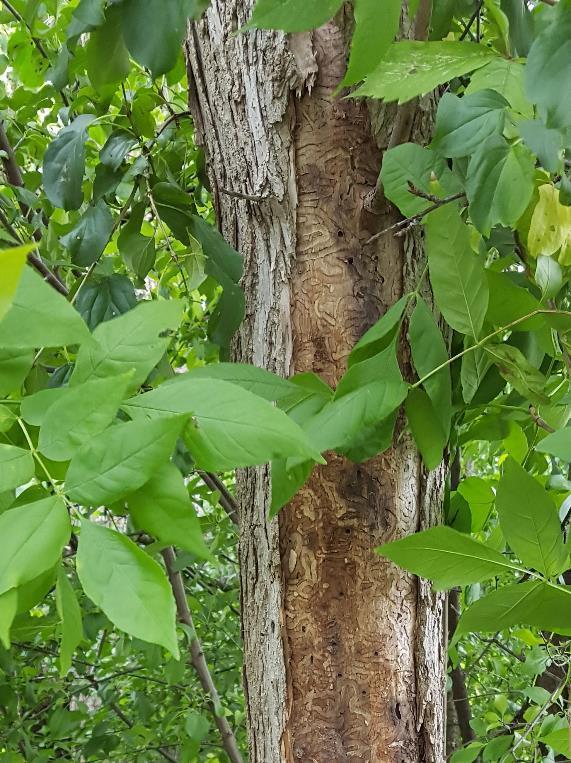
(121, 459)
(163, 508)
(8, 609)
(428, 352)
(548, 68)
(425, 426)
(292, 15)
(548, 276)
(467, 754)
(475, 366)
(457, 275)
(408, 164)
(138, 251)
(86, 241)
(411, 68)
(480, 497)
(531, 603)
(33, 537)
(106, 57)
(12, 262)
(495, 170)
(376, 25)
(233, 427)
(116, 148)
(15, 365)
(462, 124)
(447, 557)
(80, 413)
(105, 297)
(557, 444)
(380, 335)
(64, 164)
(516, 370)
(40, 317)
(86, 16)
(130, 342)
(550, 226)
(286, 482)
(154, 31)
(510, 302)
(546, 143)
(70, 614)
(16, 467)
(505, 76)
(256, 380)
(127, 585)
(34, 408)
(529, 521)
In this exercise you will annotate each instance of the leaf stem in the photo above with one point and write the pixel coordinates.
(482, 342)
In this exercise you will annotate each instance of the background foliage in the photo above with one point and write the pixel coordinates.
(120, 428)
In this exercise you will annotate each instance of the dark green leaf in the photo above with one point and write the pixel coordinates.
(293, 15)
(548, 276)
(71, 625)
(16, 467)
(457, 275)
(426, 427)
(107, 58)
(116, 148)
(529, 520)
(380, 335)
(64, 164)
(546, 144)
(429, 352)
(106, 297)
(516, 370)
(15, 365)
(87, 240)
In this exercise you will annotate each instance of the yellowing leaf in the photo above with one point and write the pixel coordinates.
(12, 262)
(550, 229)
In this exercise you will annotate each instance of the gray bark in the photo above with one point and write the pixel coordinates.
(344, 653)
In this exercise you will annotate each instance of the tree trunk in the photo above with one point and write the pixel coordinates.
(344, 654)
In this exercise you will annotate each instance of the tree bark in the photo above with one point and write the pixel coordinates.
(344, 654)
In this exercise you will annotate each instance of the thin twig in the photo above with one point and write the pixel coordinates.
(471, 20)
(240, 195)
(409, 222)
(226, 499)
(198, 660)
(541, 423)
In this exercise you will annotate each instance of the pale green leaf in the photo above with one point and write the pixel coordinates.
(505, 76)
(233, 427)
(33, 537)
(129, 343)
(447, 557)
(15, 364)
(40, 317)
(80, 413)
(548, 276)
(127, 585)
(71, 622)
(256, 380)
(557, 444)
(457, 275)
(121, 459)
(34, 408)
(163, 508)
(8, 609)
(16, 467)
(412, 68)
(12, 262)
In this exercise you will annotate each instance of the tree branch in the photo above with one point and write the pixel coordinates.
(459, 692)
(198, 660)
(226, 500)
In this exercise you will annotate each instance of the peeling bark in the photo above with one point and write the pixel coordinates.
(343, 652)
